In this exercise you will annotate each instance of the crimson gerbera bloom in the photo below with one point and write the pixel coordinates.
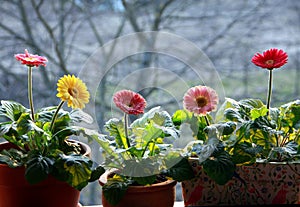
(200, 100)
(31, 60)
(272, 58)
(130, 102)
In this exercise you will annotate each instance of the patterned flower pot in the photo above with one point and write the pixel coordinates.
(258, 184)
(158, 195)
(15, 191)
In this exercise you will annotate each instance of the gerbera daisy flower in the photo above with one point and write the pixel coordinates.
(31, 60)
(73, 90)
(200, 100)
(272, 58)
(129, 102)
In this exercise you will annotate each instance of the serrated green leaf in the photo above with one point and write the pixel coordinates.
(12, 157)
(251, 103)
(115, 127)
(12, 110)
(114, 190)
(79, 168)
(38, 168)
(258, 112)
(181, 171)
(147, 180)
(228, 103)
(96, 173)
(77, 115)
(219, 167)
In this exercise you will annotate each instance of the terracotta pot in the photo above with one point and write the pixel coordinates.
(156, 195)
(15, 191)
(259, 184)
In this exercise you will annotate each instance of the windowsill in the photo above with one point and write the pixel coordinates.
(177, 204)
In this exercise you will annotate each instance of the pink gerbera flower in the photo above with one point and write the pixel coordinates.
(272, 58)
(200, 100)
(31, 60)
(130, 102)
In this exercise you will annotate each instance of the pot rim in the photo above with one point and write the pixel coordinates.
(258, 162)
(139, 189)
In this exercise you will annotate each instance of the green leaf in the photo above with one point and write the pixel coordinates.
(147, 180)
(246, 152)
(226, 128)
(12, 110)
(228, 103)
(114, 190)
(142, 122)
(181, 116)
(181, 171)
(45, 114)
(251, 103)
(96, 173)
(115, 127)
(12, 157)
(197, 124)
(79, 169)
(233, 115)
(78, 115)
(25, 125)
(291, 113)
(38, 168)
(219, 167)
(141, 168)
(150, 132)
(258, 112)
(5, 127)
(104, 143)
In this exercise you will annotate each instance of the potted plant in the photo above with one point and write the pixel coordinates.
(142, 167)
(40, 165)
(248, 153)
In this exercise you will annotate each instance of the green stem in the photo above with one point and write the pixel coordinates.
(269, 90)
(30, 92)
(55, 115)
(206, 120)
(126, 130)
(147, 145)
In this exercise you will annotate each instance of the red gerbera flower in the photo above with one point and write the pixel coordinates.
(272, 58)
(130, 102)
(200, 100)
(31, 60)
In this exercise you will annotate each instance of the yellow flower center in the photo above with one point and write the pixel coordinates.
(30, 58)
(73, 92)
(269, 62)
(201, 101)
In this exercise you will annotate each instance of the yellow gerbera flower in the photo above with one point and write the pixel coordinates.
(73, 90)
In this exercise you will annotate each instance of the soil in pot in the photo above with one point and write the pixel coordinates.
(160, 194)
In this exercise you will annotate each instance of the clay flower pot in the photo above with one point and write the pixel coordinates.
(158, 195)
(15, 191)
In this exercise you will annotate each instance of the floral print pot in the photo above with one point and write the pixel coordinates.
(258, 184)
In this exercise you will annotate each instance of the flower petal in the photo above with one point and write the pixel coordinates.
(129, 102)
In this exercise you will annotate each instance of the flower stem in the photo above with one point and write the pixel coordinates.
(30, 92)
(207, 121)
(126, 130)
(147, 145)
(269, 90)
(55, 114)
